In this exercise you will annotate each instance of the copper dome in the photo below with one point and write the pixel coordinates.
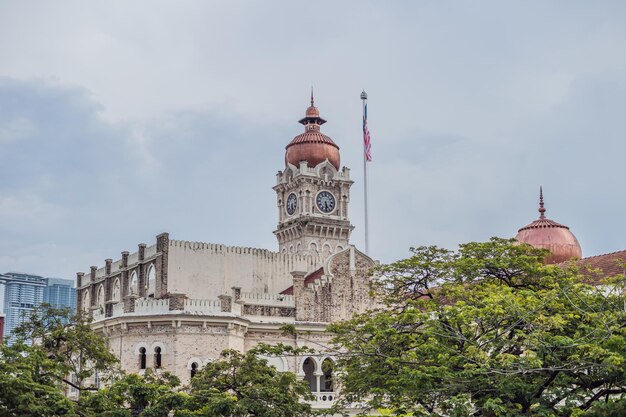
(312, 111)
(548, 234)
(312, 145)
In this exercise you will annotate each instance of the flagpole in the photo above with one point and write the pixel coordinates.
(367, 241)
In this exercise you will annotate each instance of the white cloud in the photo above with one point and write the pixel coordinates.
(121, 120)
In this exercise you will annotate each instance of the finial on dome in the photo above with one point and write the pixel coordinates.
(542, 209)
(312, 119)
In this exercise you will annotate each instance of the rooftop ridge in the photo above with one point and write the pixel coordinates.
(604, 254)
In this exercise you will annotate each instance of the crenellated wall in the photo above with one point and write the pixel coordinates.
(206, 270)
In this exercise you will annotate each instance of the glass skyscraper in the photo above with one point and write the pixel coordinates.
(60, 293)
(25, 292)
(22, 293)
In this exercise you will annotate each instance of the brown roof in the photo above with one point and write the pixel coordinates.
(309, 279)
(602, 266)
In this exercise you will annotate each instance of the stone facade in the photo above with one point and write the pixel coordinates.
(196, 326)
(175, 305)
(309, 230)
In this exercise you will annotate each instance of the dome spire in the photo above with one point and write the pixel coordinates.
(312, 119)
(548, 234)
(542, 209)
(312, 145)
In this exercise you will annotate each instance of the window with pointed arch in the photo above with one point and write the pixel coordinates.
(100, 297)
(132, 283)
(86, 300)
(151, 281)
(116, 291)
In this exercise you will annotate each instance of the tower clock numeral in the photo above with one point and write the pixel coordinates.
(325, 202)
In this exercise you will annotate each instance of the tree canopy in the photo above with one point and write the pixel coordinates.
(55, 343)
(49, 347)
(243, 384)
(488, 330)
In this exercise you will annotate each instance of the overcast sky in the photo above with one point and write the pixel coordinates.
(120, 120)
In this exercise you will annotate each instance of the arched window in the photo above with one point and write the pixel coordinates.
(132, 283)
(142, 358)
(151, 281)
(116, 292)
(100, 297)
(157, 357)
(326, 379)
(308, 366)
(326, 251)
(86, 300)
(194, 369)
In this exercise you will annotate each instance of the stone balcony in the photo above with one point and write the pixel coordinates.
(249, 304)
(323, 399)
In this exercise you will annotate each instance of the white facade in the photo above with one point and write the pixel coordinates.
(175, 305)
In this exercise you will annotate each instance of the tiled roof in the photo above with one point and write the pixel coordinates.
(543, 223)
(312, 137)
(309, 279)
(601, 266)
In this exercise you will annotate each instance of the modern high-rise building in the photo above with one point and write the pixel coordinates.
(22, 293)
(1, 326)
(25, 292)
(60, 293)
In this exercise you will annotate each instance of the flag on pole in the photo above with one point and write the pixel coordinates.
(366, 137)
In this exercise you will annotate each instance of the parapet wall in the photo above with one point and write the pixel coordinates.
(207, 270)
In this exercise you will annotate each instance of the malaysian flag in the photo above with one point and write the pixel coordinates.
(367, 144)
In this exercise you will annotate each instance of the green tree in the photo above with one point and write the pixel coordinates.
(69, 342)
(49, 346)
(241, 385)
(489, 330)
(148, 395)
(29, 383)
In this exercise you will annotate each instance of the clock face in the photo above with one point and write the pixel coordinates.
(292, 203)
(325, 201)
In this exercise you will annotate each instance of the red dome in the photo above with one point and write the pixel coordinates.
(312, 145)
(548, 234)
(312, 112)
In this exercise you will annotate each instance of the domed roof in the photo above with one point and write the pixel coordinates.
(548, 234)
(312, 111)
(312, 145)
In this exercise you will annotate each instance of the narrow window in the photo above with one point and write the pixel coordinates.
(326, 382)
(142, 358)
(157, 357)
(194, 369)
(309, 373)
(73, 389)
(151, 281)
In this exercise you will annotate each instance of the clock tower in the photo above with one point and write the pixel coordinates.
(313, 194)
